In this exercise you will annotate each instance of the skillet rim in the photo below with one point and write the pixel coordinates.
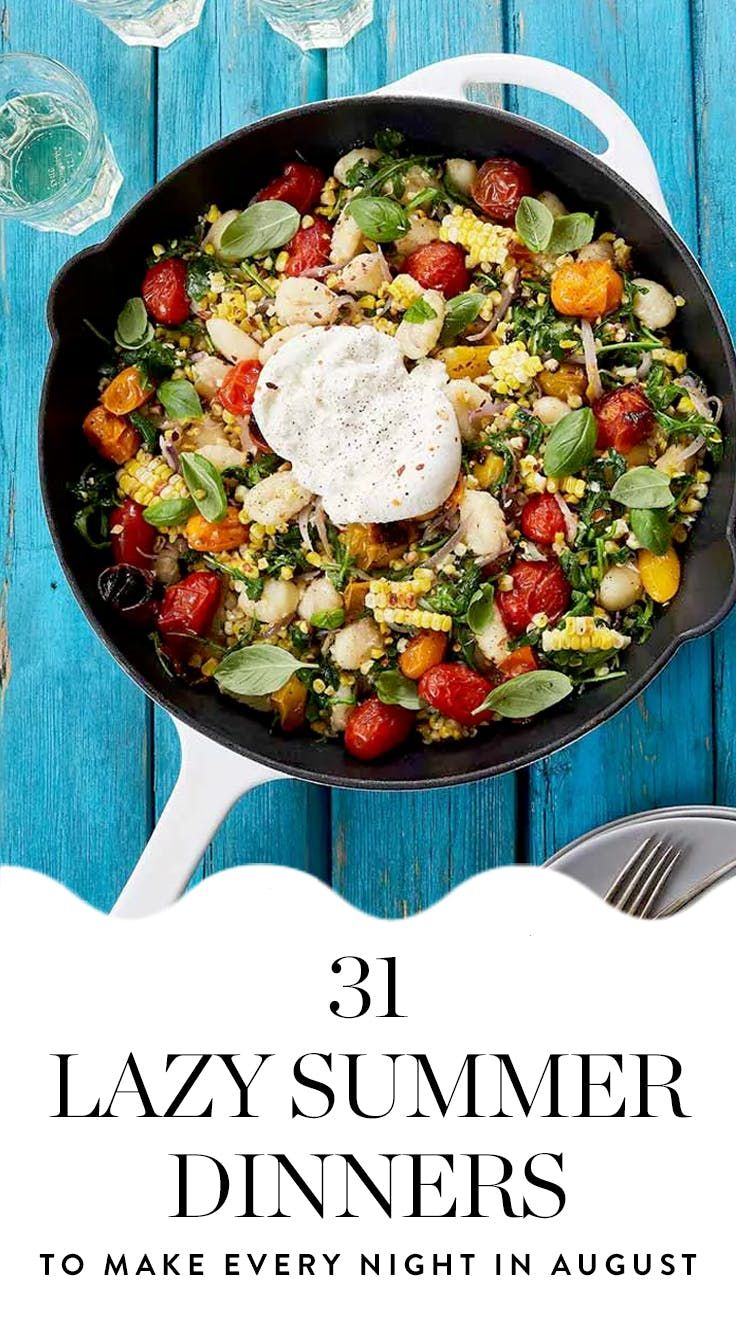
(281, 764)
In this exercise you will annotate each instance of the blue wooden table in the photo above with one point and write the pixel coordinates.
(85, 763)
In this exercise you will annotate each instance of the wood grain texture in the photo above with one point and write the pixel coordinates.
(74, 746)
(234, 69)
(84, 764)
(642, 55)
(395, 853)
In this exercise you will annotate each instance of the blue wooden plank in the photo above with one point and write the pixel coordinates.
(396, 853)
(645, 756)
(231, 71)
(74, 776)
(715, 95)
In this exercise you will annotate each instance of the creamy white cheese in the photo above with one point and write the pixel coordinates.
(374, 443)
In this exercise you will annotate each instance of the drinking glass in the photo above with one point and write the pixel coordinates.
(318, 23)
(57, 169)
(147, 22)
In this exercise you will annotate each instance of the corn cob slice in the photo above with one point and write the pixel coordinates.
(583, 634)
(398, 604)
(146, 478)
(483, 241)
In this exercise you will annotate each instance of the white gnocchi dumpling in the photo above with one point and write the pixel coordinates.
(301, 301)
(416, 339)
(318, 596)
(347, 240)
(365, 274)
(354, 644)
(230, 341)
(276, 499)
(483, 523)
(653, 304)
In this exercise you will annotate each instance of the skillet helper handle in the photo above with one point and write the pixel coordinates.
(211, 780)
(627, 152)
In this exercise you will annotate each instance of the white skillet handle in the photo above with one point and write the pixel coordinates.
(211, 779)
(627, 152)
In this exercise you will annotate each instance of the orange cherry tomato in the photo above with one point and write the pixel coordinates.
(375, 728)
(586, 289)
(126, 392)
(426, 649)
(519, 662)
(112, 437)
(225, 536)
(569, 379)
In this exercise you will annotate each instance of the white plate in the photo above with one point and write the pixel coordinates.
(706, 833)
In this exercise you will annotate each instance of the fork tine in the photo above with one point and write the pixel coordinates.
(641, 872)
(622, 877)
(656, 883)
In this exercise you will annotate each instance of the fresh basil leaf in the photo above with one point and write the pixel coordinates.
(420, 311)
(461, 312)
(133, 327)
(652, 529)
(205, 486)
(258, 670)
(168, 513)
(328, 619)
(570, 444)
(570, 233)
(180, 400)
(147, 431)
(379, 219)
(534, 223)
(396, 690)
(480, 611)
(643, 488)
(262, 226)
(526, 695)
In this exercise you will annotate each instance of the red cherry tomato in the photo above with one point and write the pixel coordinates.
(441, 266)
(298, 184)
(188, 607)
(310, 248)
(499, 187)
(519, 662)
(164, 291)
(625, 418)
(538, 586)
(375, 728)
(238, 389)
(456, 690)
(131, 537)
(542, 519)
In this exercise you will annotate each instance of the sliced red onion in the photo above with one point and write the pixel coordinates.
(595, 388)
(714, 402)
(507, 299)
(709, 407)
(170, 454)
(321, 526)
(693, 449)
(571, 520)
(318, 272)
(246, 437)
(303, 521)
(449, 546)
(645, 366)
(491, 409)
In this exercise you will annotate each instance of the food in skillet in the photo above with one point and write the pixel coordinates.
(406, 449)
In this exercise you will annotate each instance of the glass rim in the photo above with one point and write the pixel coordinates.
(17, 213)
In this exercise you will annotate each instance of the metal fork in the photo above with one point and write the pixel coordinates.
(638, 886)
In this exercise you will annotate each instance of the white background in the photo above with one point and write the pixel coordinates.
(516, 961)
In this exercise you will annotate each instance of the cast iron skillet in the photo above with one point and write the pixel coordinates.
(95, 284)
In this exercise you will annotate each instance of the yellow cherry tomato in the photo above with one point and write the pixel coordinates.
(660, 575)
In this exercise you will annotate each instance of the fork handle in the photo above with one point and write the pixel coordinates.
(697, 890)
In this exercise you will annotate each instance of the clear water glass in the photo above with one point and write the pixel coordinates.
(147, 22)
(314, 24)
(57, 169)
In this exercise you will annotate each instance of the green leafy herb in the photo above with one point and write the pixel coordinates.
(534, 223)
(147, 430)
(570, 444)
(652, 529)
(261, 227)
(379, 219)
(395, 689)
(133, 327)
(643, 488)
(96, 492)
(480, 611)
(257, 670)
(526, 695)
(420, 311)
(154, 359)
(389, 141)
(452, 597)
(570, 233)
(205, 487)
(460, 312)
(180, 400)
(328, 619)
(199, 270)
(168, 513)
(424, 199)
